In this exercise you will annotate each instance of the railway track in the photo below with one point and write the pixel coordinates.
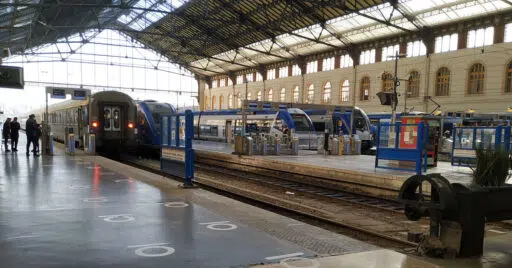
(294, 186)
(360, 216)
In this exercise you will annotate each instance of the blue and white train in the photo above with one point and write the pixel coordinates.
(222, 126)
(338, 123)
(149, 113)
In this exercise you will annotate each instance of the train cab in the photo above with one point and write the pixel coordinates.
(338, 122)
(149, 113)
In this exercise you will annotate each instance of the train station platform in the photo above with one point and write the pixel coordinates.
(357, 170)
(89, 211)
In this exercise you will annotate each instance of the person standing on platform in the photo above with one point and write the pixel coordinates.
(15, 134)
(326, 142)
(31, 131)
(6, 132)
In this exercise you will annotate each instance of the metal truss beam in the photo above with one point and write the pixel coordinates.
(63, 4)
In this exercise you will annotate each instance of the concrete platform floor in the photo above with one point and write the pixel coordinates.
(358, 163)
(85, 211)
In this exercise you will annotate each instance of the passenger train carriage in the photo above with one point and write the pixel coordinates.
(222, 126)
(110, 115)
(338, 122)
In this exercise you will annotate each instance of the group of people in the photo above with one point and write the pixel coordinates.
(11, 130)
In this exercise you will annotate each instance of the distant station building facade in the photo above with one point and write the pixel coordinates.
(458, 54)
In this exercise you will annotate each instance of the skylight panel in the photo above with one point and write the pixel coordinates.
(149, 12)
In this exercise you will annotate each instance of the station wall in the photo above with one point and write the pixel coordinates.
(495, 58)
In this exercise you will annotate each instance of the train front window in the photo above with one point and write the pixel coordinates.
(301, 122)
(156, 118)
(319, 126)
(359, 121)
(116, 119)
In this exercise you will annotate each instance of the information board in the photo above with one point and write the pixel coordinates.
(177, 155)
(11, 77)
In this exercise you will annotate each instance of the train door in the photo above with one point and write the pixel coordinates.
(112, 125)
(229, 132)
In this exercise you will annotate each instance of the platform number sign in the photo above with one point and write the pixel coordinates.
(58, 93)
(79, 94)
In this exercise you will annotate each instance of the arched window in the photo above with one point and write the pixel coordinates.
(311, 94)
(283, 94)
(443, 82)
(296, 96)
(508, 75)
(345, 91)
(269, 95)
(239, 100)
(413, 85)
(387, 82)
(230, 101)
(476, 79)
(259, 95)
(249, 96)
(326, 96)
(221, 102)
(364, 92)
(213, 103)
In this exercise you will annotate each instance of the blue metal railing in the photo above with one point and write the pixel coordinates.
(467, 139)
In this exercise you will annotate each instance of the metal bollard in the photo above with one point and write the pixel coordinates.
(71, 144)
(278, 146)
(264, 148)
(50, 144)
(295, 146)
(248, 149)
(91, 148)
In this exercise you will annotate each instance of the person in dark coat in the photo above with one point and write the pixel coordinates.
(31, 131)
(6, 132)
(15, 134)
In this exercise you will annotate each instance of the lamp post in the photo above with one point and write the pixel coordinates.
(396, 83)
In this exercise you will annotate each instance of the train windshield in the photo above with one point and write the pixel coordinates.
(360, 121)
(156, 118)
(301, 122)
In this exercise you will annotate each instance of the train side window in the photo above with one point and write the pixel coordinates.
(214, 131)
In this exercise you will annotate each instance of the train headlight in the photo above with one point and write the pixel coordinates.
(130, 125)
(94, 124)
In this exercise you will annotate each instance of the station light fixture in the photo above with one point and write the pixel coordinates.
(471, 111)
(130, 125)
(509, 109)
(95, 124)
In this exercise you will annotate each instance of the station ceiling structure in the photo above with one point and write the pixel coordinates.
(210, 37)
